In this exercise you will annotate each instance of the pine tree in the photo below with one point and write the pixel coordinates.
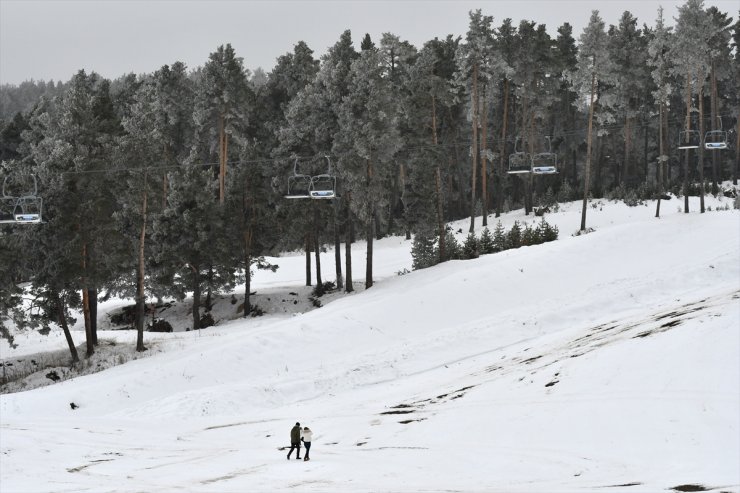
(630, 73)
(722, 81)
(499, 238)
(691, 63)
(658, 60)
(367, 142)
(470, 247)
(471, 58)
(221, 95)
(594, 66)
(487, 244)
(453, 251)
(422, 251)
(528, 236)
(514, 236)
(564, 60)
(140, 148)
(190, 237)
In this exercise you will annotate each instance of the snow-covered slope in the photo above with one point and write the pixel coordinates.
(605, 362)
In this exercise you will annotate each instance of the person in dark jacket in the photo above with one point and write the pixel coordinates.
(295, 441)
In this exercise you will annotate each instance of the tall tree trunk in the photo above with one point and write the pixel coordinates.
(317, 250)
(247, 235)
(484, 159)
(392, 203)
(86, 304)
(736, 168)
(369, 230)
(402, 177)
(209, 289)
(645, 150)
(92, 296)
(438, 184)
(196, 296)
(499, 183)
(686, 158)
(308, 258)
(474, 150)
(461, 183)
(168, 162)
(668, 168)
(369, 258)
(587, 171)
(247, 225)
(627, 149)
(659, 170)
(140, 294)
(701, 148)
(348, 288)
(440, 216)
(337, 247)
(65, 327)
(223, 156)
(715, 113)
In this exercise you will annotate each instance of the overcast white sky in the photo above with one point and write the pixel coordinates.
(52, 39)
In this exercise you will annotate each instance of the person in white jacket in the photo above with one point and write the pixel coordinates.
(306, 436)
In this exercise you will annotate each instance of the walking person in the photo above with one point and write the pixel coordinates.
(295, 441)
(306, 437)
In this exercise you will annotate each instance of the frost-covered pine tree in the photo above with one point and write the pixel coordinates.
(220, 111)
(690, 55)
(471, 57)
(499, 238)
(143, 146)
(624, 41)
(594, 66)
(486, 242)
(658, 60)
(367, 142)
(426, 96)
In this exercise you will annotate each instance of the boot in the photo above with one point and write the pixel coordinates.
(305, 459)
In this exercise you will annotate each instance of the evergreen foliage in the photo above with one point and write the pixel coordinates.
(487, 244)
(423, 252)
(499, 238)
(514, 236)
(470, 247)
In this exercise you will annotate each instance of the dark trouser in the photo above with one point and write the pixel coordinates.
(297, 447)
(308, 447)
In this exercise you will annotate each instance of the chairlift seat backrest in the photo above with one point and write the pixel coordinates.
(520, 162)
(715, 139)
(689, 139)
(299, 186)
(323, 186)
(545, 163)
(23, 208)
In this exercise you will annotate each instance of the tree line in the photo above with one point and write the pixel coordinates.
(162, 184)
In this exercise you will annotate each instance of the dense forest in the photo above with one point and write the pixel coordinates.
(156, 185)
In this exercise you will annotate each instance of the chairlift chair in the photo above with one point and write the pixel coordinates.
(519, 162)
(324, 186)
(24, 208)
(299, 186)
(689, 139)
(545, 163)
(716, 139)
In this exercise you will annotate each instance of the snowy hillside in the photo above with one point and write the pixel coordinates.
(604, 362)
